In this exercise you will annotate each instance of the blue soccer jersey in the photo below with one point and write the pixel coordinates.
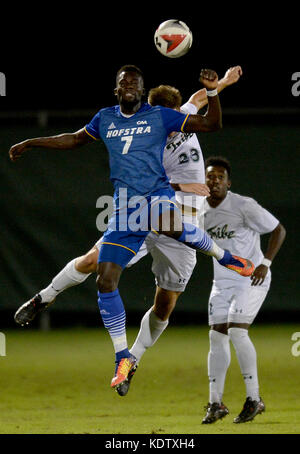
(135, 145)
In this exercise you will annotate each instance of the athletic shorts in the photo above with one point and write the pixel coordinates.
(173, 262)
(128, 227)
(237, 304)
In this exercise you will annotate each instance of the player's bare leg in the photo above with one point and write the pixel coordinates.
(246, 355)
(87, 263)
(154, 321)
(74, 273)
(164, 302)
(153, 324)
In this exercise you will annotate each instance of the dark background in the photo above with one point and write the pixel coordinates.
(60, 69)
(68, 58)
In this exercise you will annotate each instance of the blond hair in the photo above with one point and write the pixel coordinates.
(166, 96)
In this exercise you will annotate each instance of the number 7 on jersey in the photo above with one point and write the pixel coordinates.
(127, 140)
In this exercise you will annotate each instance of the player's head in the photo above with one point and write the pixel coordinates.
(129, 85)
(165, 96)
(218, 176)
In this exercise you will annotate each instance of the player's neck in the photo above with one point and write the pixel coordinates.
(129, 108)
(214, 203)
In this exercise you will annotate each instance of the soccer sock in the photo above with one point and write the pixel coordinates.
(114, 319)
(217, 364)
(67, 277)
(150, 330)
(198, 239)
(246, 355)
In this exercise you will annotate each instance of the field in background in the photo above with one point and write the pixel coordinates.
(57, 382)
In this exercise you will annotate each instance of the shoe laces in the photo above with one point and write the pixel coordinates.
(124, 366)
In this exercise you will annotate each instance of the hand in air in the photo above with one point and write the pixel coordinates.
(196, 188)
(209, 79)
(16, 151)
(232, 75)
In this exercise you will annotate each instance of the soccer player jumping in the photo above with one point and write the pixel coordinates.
(135, 154)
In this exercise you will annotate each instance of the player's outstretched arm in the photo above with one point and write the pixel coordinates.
(276, 239)
(196, 188)
(61, 142)
(212, 120)
(232, 75)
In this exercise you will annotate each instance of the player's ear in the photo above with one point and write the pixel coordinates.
(229, 184)
(115, 91)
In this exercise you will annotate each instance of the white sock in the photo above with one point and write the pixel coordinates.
(150, 330)
(217, 364)
(217, 251)
(67, 277)
(246, 355)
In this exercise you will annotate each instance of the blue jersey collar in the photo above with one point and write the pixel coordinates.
(144, 107)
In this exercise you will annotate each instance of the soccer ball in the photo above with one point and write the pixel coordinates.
(173, 38)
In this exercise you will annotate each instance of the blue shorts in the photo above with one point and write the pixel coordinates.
(131, 223)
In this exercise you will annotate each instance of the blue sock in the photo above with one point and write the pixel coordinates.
(195, 237)
(228, 259)
(114, 319)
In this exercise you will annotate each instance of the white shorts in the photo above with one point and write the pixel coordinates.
(238, 304)
(173, 262)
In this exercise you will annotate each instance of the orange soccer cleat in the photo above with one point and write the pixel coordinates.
(244, 267)
(123, 368)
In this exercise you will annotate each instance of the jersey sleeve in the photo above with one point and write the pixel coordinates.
(92, 128)
(189, 107)
(173, 120)
(187, 175)
(258, 218)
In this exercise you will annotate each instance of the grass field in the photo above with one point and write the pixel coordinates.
(57, 382)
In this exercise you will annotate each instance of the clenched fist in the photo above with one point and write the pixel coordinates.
(16, 150)
(209, 79)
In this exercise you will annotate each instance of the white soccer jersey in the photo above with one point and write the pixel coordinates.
(236, 224)
(183, 161)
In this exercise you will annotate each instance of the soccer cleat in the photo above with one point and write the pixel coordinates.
(123, 388)
(27, 312)
(244, 267)
(123, 368)
(214, 412)
(250, 410)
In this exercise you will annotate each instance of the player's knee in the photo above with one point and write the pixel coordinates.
(238, 335)
(220, 328)
(106, 284)
(87, 263)
(164, 303)
(108, 277)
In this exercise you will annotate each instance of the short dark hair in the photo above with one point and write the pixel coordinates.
(218, 161)
(166, 96)
(130, 68)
